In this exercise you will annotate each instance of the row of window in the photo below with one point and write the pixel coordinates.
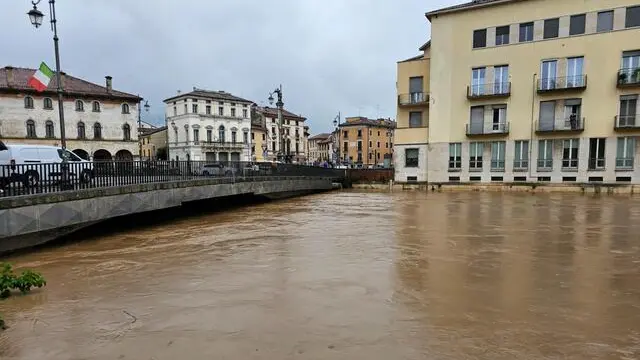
(625, 154)
(345, 133)
(551, 27)
(210, 139)
(285, 122)
(207, 110)
(47, 104)
(81, 130)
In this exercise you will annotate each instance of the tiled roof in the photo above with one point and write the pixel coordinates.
(16, 79)
(273, 112)
(208, 94)
(323, 136)
(147, 132)
(466, 6)
(369, 122)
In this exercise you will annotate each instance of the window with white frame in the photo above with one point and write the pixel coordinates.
(196, 136)
(597, 152)
(570, 149)
(521, 155)
(455, 156)
(625, 152)
(497, 155)
(476, 150)
(502, 35)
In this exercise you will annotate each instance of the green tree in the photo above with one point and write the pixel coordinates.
(10, 282)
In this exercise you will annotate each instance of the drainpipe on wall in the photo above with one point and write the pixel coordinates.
(533, 104)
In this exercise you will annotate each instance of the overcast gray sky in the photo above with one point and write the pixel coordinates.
(329, 55)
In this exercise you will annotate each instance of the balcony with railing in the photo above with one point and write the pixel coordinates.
(626, 123)
(629, 77)
(219, 145)
(490, 129)
(490, 90)
(568, 124)
(562, 83)
(413, 99)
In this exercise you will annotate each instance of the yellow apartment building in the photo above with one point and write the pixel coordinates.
(534, 90)
(411, 134)
(153, 144)
(366, 142)
(258, 136)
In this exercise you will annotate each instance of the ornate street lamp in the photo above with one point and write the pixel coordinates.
(336, 125)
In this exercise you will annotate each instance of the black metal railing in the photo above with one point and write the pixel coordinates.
(488, 129)
(577, 82)
(36, 178)
(626, 122)
(415, 98)
(489, 90)
(563, 124)
(629, 76)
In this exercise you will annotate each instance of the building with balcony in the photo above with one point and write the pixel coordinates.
(208, 125)
(365, 142)
(411, 133)
(294, 141)
(537, 90)
(100, 122)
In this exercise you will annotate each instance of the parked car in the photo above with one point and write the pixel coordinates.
(218, 169)
(32, 164)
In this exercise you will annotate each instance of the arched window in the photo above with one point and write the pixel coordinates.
(79, 105)
(31, 129)
(126, 132)
(221, 136)
(49, 131)
(28, 102)
(47, 104)
(125, 108)
(81, 131)
(97, 131)
(96, 106)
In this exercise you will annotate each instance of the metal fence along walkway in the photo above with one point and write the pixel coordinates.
(38, 178)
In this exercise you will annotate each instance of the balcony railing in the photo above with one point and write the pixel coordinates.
(545, 164)
(564, 83)
(629, 77)
(222, 145)
(564, 124)
(416, 98)
(487, 129)
(624, 163)
(481, 91)
(626, 122)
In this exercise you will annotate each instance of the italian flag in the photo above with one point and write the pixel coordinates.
(40, 80)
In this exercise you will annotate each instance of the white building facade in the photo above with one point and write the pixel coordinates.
(208, 125)
(294, 138)
(100, 123)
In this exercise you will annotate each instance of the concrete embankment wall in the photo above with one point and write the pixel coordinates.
(33, 220)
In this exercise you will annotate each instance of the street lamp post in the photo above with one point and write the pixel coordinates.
(36, 17)
(280, 106)
(146, 108)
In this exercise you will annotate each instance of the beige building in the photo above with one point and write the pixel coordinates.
(412, 86)
(100, 122)
(536, 90)
(293, 139)
(258, 136)
(153, 142)
(365, 142)
(319, 148)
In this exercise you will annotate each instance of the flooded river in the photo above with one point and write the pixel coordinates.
(347, 276)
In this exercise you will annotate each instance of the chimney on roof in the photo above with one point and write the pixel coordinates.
(109, 83)
(194, 88)
(179, 92)
(9, 76)
(62, 76)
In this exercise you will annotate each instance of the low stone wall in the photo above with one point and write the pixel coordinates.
(364, 176)
(35, 219)
(586, 188)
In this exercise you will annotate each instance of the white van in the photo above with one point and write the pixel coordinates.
(31, 164)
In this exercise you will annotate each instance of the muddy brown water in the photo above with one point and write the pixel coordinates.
(347, 275)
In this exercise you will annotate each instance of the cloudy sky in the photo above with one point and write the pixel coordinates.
(329, 55)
